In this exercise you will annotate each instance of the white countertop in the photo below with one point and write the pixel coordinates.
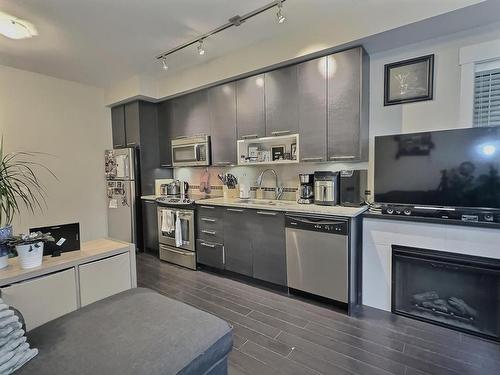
(149, 197)
(288, 206)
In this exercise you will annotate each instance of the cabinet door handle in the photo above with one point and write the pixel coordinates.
(181, 137)
(207, 245)
(312, 159)
(210, 232)
(208, 207)
(249, 136)
(208, 220)
(346, 157)
(280, 132)
(222, 163)
(223, 255)
(165, 165)
(118, 145)
(234, 209)
(266, 213)
(131, 144)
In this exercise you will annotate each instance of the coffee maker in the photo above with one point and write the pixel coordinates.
(326, 188)
(306, 189)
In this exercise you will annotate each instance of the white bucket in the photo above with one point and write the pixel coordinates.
(30, 259)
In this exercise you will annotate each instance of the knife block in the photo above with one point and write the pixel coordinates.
(231, 193)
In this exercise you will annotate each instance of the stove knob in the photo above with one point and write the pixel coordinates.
(389, 210)
(407, 212)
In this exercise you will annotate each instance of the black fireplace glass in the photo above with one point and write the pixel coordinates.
(453, 290)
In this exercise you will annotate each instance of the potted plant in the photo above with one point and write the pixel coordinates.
(29, 248)
(19, 188)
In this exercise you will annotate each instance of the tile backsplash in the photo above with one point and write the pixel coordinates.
(288, 175)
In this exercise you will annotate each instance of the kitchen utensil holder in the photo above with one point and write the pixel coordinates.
(231, 193)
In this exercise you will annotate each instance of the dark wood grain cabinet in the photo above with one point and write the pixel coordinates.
(238, 241)
(150, 226)
(222, 108)
(165, 132)
(281, 101)
(348, 80)
(250, 107)
(133, 122)
(191, 115)
(312, 94)
(118, 126)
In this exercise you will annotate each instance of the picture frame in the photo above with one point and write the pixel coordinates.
(409, 80)
(294, 151)
(278, 152)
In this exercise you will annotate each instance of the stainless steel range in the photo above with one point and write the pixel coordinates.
(176, 230)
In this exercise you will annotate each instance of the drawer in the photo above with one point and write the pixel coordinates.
(206, 233)
(210, 254)
(210, 223)
(210, 211)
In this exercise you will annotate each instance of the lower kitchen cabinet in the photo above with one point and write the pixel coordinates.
(238, 241)
(210, 254)
(150, 226)
(268, 243)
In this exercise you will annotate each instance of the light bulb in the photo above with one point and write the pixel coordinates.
(15, 28)
(201, 51)
(164, 64)
(280, 18)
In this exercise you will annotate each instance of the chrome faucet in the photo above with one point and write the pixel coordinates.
(278, 191)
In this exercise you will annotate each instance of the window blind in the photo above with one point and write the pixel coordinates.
(487, 98)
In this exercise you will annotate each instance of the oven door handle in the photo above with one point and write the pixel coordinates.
(179, 252)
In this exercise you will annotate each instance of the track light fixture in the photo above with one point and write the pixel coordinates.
(280, 18)
(201, 50)
(234, 21)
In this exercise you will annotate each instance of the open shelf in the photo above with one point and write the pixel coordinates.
(260, 151)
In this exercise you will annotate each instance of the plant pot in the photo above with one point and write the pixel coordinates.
(5, 232)
(30, 256)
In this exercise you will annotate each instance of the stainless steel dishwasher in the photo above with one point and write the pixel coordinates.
(317, 255)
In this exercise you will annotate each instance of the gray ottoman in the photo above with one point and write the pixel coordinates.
(135, 332)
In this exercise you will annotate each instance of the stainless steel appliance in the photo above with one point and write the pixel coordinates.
(176, 188)
(191, 151)
(306, 189)
(120, 169)
(182, 208)
(353, 184)
(317, 253)
(326, 188)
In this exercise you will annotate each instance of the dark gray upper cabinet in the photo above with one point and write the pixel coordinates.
(222, 107)
(312, 85)
(348, 105)
(281, 101)
(132, 123)
(250, 113)
(165, 133)
(269, 249)
(118, 126)
(191, 115)
(238, 241)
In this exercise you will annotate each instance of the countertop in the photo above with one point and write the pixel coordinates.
(287, 206)
(90, 251)
(149, 197)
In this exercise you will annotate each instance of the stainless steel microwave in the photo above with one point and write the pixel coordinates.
(191, 151)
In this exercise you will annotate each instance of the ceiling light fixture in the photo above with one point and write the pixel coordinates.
(280, 18)
(201, 51)
(15, 28)
(234, 21)
(164, 64)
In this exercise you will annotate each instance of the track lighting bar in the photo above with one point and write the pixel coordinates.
(233, 21)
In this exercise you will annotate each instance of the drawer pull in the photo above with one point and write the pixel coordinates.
(131, 144)
(210, 232)
(266, 213)
(346, 157)
(165, 165)
(235, 209)
(222, 163)
(181, 137)
(312, 159)
(118, 146)
(223, 255)
(207, 207)
(208, 220)
(249, 136)
(280, 132)
(207, 245)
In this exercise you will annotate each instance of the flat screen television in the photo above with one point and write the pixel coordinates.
(452, 168)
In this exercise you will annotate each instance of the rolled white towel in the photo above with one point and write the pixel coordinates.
(10, 328)
(11, 346)
(28, 354)
(6, 313)
(19, 353)
(15, 334)
(3, 306)
(9, 320)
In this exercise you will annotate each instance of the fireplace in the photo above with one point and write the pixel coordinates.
(458, 291)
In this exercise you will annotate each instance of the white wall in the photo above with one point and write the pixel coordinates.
(69, 121)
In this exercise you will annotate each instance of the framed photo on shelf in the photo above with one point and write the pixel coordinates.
(294, 151)
(409, 81)
(278, 152)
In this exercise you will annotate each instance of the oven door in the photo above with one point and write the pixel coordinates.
(187, 225)
(191, 154)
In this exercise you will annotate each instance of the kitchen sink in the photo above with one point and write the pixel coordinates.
(265, 202)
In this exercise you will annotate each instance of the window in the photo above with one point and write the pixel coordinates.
(487, 98)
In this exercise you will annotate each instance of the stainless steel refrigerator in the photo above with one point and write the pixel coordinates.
(121, 173)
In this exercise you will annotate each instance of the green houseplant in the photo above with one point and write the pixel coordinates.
(19, 188)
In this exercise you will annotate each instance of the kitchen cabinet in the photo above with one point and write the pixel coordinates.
(165, 132)
(150, 227)
(269, 248)
(132, 123)
(118, 126)
(250, 104)
(348, 77)
(222, 108)
(210, 254)
(312, 94)
(281, 101)
(191, 115)
(238, 241)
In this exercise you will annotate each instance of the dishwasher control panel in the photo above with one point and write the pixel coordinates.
(318, 224)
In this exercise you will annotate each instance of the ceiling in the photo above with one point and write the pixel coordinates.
(102, 42)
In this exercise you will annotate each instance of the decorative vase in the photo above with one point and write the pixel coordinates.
(31, 255)
(5, 232)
